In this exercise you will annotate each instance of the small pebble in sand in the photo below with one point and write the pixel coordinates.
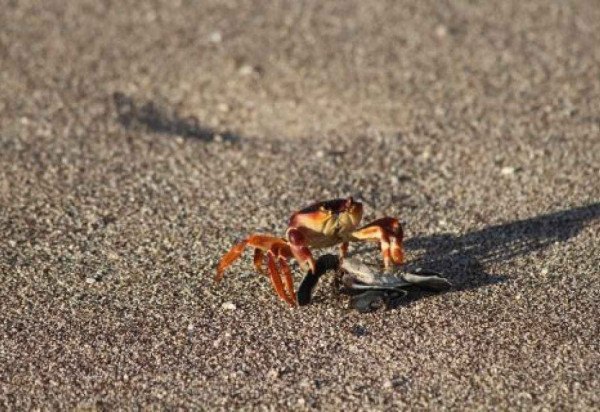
(441, 31)
(229, 306)
(508, 170)
(246, 70)
(215, 37)
(223, 107)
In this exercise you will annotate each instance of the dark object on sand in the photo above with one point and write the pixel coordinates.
(369, 288)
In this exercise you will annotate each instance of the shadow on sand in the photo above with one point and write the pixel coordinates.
(461, 257)
(156, 119)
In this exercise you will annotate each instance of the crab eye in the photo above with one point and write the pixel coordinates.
(349, 203)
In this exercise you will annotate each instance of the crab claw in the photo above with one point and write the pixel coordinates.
(298, 246)
(323, 264)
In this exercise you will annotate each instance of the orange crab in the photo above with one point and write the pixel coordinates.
(320, 225)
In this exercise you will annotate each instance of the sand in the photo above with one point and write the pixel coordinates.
(138, 142)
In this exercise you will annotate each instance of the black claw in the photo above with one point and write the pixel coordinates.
(324, 263)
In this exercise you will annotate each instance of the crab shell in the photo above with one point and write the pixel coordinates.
(328, 223)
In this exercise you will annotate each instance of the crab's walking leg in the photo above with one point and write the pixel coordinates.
(288, 279)
(397, 249)
(261, 243)
(234, 253)
(275, 250)
(259, 257)
(276, 279)
(388, 232)
(300, 250)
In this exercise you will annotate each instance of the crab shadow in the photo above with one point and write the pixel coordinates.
(151, 117)
(463, 258)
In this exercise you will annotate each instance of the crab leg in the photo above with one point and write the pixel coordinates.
(288, 279)
(276, 252)
(276, 278)
(259, 257)
(234, 253)
(388, 232)
(259, 242)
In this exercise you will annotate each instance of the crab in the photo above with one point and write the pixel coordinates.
(320, 225)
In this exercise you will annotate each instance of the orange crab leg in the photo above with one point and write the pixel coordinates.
(234, 253)
(259, 256)
(397, 250)
(260, 242)
(276, 279)
(288, 279)
(274, 250)
(388, 232)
